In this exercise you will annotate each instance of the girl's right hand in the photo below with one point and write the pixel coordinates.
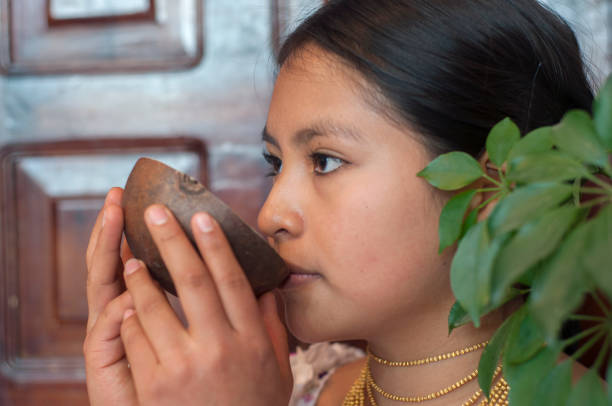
(109, 381)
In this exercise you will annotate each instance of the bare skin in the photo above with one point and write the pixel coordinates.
(351, 217)
(365, 225)
(234, 349)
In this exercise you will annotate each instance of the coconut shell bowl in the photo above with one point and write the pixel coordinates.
(154, 182)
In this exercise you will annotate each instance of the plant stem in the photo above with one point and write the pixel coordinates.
(593, 191)
(587, 318)
(490, 179)
(569, 341)
(587, 346)
(599, 182)
(495, 196)
(602, 352)
(488, 189)
(503, 180)
(595, 202)
(576, 191)
(601, 304)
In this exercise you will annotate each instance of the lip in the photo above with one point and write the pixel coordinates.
(298, 277)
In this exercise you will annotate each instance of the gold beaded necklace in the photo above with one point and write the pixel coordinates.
(418, 399)
(428, 360)
(365, 383)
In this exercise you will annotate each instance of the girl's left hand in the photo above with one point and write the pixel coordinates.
(234, 350)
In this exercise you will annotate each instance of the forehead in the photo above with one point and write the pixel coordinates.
(313, 61)
(315, 88)
(314, 85)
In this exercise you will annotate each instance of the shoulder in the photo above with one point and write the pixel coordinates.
(315, 368)
(340, 383)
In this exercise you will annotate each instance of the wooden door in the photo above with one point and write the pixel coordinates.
(87, 87)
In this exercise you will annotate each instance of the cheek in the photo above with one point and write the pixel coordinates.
(389, 232)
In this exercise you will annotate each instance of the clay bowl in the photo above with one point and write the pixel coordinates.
(153, 182)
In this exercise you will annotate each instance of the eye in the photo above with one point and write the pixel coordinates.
(276, 164)
(324, 164)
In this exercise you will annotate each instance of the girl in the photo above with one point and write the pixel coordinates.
(368, 92)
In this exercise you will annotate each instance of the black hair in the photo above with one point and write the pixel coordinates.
(453, 68)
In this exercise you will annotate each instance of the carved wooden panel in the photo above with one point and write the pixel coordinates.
(46, 36)
(87, 11)
(51, 195)
(223, 101)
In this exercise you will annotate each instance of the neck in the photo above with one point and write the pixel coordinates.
(426, 335)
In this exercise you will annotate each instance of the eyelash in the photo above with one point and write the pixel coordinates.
(276, 163)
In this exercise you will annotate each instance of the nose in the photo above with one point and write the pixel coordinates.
(281, 217)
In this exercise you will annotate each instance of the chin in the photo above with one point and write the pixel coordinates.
(304, 326)
(309, 328)
(304, 330)
(313, 318)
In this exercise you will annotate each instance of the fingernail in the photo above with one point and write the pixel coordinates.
(128, 313)
(112, 198)
(204, 222)
(107, 199)
(131, 266)
(157, 215)
(103, 218)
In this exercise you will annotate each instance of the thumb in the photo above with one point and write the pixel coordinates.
(277, 333)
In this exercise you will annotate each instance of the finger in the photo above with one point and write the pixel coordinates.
(232, 284)
(193, 282)
(113, 196)
(103, 279)
(126, 252)
(93, 238)
(159, 322)
(103, 346)
(277, 333)
(138, 349)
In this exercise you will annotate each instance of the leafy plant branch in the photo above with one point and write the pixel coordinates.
(548, 237)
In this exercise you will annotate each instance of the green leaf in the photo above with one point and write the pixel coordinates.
(524, 379)
(602, 112)
(576, 135)
(493, 351)
(528, 277)
(452, 171)
(588, 391)
(471, 270)
(501, 139)
(457, 317)
(533, 242)
(560, 287)
(609, 380)
(525, 340)
(555, 388)
(470, 220)
(539, 140)
(451, 218)
(464, 269)
(525, 204)
(551, 166)
(597, 256)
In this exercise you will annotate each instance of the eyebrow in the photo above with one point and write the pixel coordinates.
(319, 129)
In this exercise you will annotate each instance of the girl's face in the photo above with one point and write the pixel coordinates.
(346, 209)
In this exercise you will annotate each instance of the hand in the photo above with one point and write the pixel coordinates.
(109, 381)
(234, 351)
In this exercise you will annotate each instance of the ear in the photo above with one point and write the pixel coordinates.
(491, 170)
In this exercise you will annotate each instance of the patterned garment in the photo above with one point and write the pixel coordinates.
(313, 367)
